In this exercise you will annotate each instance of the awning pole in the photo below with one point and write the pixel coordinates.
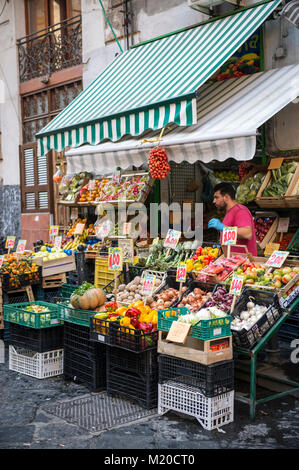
(112, 30)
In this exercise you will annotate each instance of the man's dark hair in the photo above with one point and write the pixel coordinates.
(225, 188)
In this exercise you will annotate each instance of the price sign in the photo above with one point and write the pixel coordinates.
(178, 332)
(1, 260)
(79, 229)
(236, 285)
(148, 284)
(181, 272)
(57, 242)
(283, 224)
(116, 177)
(172, 238)
(21, 246)
(229, 236)
(91, 185)
(115, 262)
(10, 242)
(102, 231)
(270, 248)
(127, 228)
(54, 230)
(74, 213)
(277, 259)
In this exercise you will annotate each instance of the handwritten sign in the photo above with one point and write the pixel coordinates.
(283, 224)
(91, 185)
(115, 262)
(21, 246)
(57, 242)
(54, 231)
(102, 231)
(79, 229)
(229, 236)
(236, 285)
(270, 248)
(10, 242)
(74, 213)
(277, 259)
(1, 260)
(181, 272)
(172, 238)
(127, 228)
(178, 332)
(148, 284)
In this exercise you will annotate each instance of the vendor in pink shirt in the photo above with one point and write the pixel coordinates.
(236, 215)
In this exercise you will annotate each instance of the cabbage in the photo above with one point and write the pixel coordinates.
(216, 312)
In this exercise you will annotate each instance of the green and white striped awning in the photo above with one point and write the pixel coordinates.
(228, 117)
(152, 84)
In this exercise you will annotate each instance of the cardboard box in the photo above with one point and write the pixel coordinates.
(197, 350)
(56, 266)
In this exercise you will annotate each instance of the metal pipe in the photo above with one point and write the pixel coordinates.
(112, 30)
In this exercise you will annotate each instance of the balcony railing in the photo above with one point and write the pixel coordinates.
(51, 49)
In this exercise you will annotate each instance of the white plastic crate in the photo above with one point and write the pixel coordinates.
(211, 413)
(38, 365)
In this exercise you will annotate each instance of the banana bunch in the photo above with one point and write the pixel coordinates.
(73, 245)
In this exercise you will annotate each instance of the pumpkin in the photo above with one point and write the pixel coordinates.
(91, 299)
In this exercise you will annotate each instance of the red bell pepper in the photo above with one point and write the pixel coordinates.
(133, 312)
(111, 306)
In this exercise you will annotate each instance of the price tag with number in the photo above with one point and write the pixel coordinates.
(148, 284)
(115, 262)
(79, 229)
(277, 259)
(10, 242)
(236, 285)
(91, 185)
(172, 238)
(57, 242)
(181, 272)
(1, 260)
(229, 236)
(21, 246)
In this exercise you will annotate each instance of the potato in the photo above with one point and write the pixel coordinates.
(137, 280)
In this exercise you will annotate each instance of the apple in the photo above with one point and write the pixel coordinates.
(249, 281)
(277, 284)
(268, 276)
(296, 269)
(277, 277)
(286, 270)
(286, 278)
(292, 274)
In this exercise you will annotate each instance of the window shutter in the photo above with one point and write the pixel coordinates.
(35, 177)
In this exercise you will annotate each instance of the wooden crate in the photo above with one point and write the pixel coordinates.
(196, 350)
(270, 235)
(292, 194)
(273, 202)
(56, 266)
(50, 282)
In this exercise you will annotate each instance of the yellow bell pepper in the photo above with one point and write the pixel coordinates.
(189, 265)
(125, 321)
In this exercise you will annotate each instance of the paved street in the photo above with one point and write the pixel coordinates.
(24, 423)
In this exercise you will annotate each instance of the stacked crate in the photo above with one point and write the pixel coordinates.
(196, 376)
(132, 365)
(35, 340)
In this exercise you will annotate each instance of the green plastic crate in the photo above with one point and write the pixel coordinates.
(17, 313)
(67, 290)
(204, 329)
(74, 315)
(293, 246)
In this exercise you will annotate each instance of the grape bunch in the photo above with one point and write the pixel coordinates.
(158, 163)
(243, 169)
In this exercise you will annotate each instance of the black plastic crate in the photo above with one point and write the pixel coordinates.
(38, 340)
(140, 388)
(14, 297)
(135, 271)
(289, 331)
(88, 369)
(77, 337)
(129, 339)
(6, 331)
(49, 295)
(145, 363)
(211, 380)
(248, 339)
(23, 280)
(100, 330)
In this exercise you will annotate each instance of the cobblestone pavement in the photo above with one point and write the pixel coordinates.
(24, 424)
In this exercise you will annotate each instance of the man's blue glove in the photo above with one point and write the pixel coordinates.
(215, 223)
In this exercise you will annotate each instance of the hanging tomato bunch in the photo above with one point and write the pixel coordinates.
(158, 163)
